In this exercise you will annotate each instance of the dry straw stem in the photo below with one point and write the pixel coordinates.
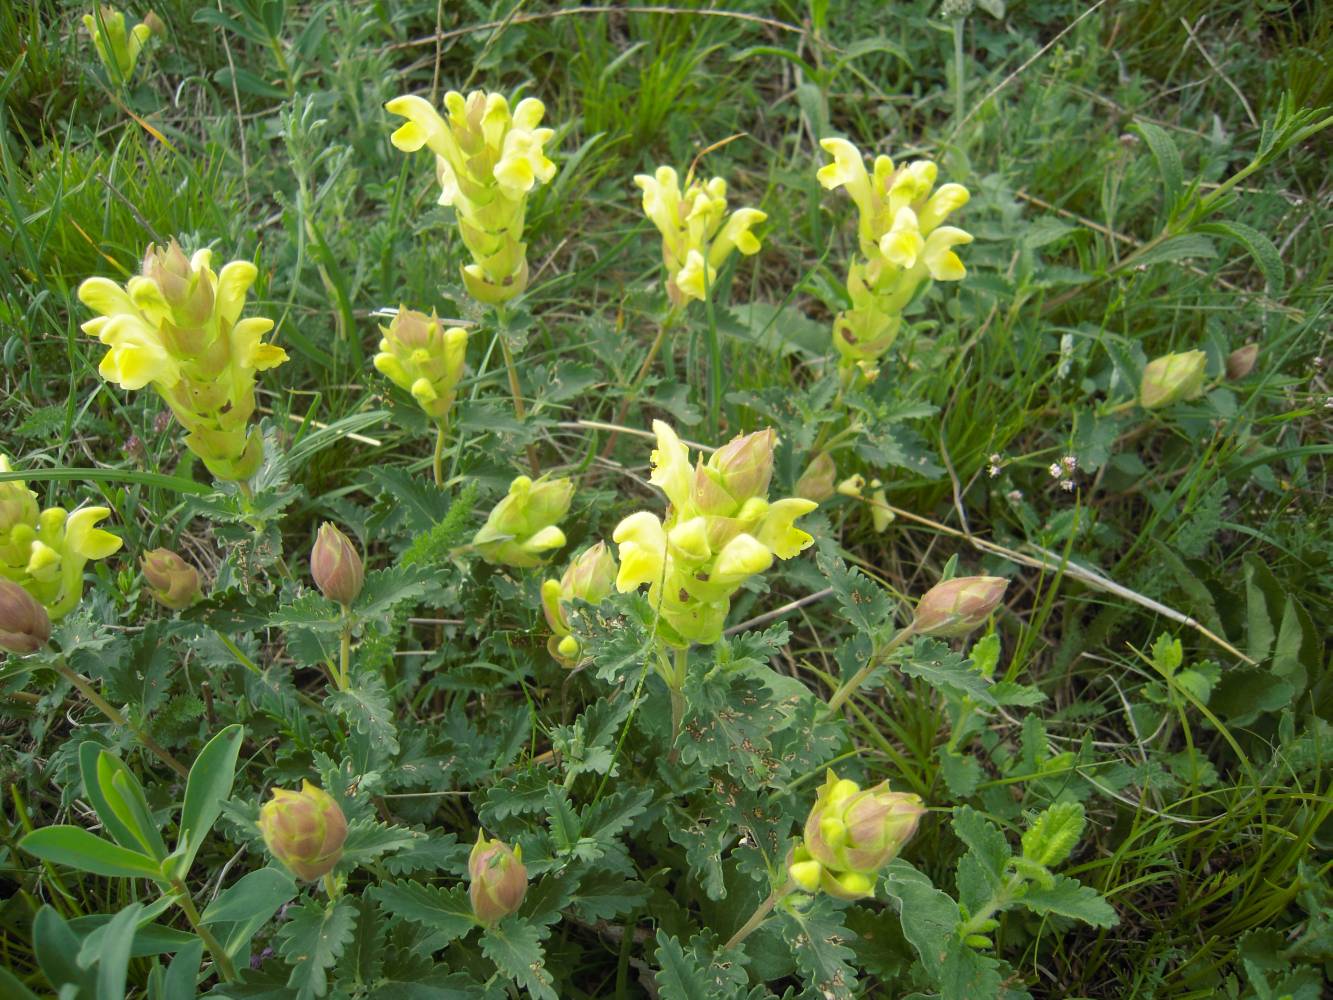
(441, 36)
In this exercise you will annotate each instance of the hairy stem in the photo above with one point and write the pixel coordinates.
(849, 686)
(345, 652)
(85, 688)
(437, 460)
(759, 915)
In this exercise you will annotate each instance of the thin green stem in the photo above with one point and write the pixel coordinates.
(85, 688)
(345, 652)
(958, 89)
(219, 953)
(676, 685)
(1001, 898)
(515, 388)
(759, 915)
(850, 685)
(437, 460)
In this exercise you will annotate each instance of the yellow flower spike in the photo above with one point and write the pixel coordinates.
(420, 356)
(698, 236)
(488, 159)
(521, 529)
(117, 47)
(178, 327)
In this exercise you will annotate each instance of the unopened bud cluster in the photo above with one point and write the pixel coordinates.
(590, 577)
(45, 551)
(902, 243)
(498, 879)
(172, 581)
(698, 235)
(719, 531)
(178, 327)
(304, 830)
(958, 606)
(850, 835)
(523, 528)
(117, 46)
(336, 566)
(487, 159)
(24, 624)
(418, 354)
(1172, 378)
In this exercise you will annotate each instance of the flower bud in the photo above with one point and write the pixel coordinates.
(498, 879)
(521, 529)
(1240, 362)
(336, 566)
(304, 830)
(183, 287)
(24, 623)
(816, 482)
(591, 576)
(957, 607)
(854, 831)
(744, 465)
(852, 485)
(154, 23)
(173, 582)
(1172, 378)
(18, 504)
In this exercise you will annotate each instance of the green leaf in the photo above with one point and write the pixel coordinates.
(12, 987)
(311, 940)
(1169, 166)
(968, 975)
(983, 838)
(861, 601)
(369, 840)
(447, 912)
(56, 949)
(961, 772)
(929, 917)
(815, 935)
(1177, 248)
(1054, 833)
(1259, 246)
(77, 848)
(385, 589)
(368, 708)
(939, 666)
(208, 785)
(120, 804)
(113, 959)
(1068, 897)
(183, 972)
(679, 977)
(249, 904)
(1245, 693)
(515, 948)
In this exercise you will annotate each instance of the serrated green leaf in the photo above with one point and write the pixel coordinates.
(515, 948)
(369, 840)
(1053, 835)
(969, 975)
(678, 977)
(368, 708)
(447, 912)
(1166, 154)
(861, 601)
(929, 917)
(934, 662)
(817, 936)
(311, 940)
(1068, 897)
(961, 772)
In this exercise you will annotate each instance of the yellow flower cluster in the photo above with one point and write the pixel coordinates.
(44, 551)
(697, 233)
(522, 529)
(590, 576)
(118, 48)
(418, 354)
(902, 243)
(177, 326)
(487, 160)
(719, 531)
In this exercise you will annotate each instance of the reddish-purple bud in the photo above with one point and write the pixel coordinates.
(336, 566)
(304, 830)
(173, 582)
(24, 624)
(499, 879)
(957, 607)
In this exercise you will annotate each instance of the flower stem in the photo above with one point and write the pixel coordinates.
(849, 686)
(759, 915)
(515, 389)
(85, 688)
(676, 686)
(214, 946)
(437, 460)
(345, 652)
(668, 322)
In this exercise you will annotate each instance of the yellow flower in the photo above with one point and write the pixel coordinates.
(418, 354)
(698, 236)
(720, 530)
(487, 160)
(177, 327)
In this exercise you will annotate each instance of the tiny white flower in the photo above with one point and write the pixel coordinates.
(1056, 470)
(1067, 485)
(1070, 462)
